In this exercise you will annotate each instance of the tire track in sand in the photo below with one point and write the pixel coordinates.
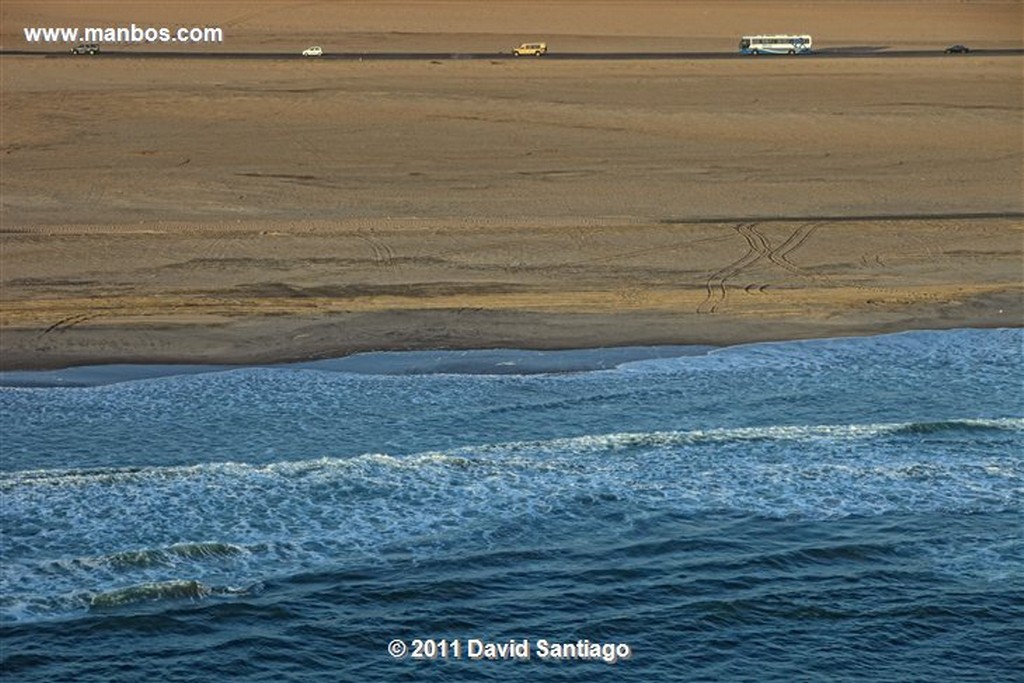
(715, 285)
(759, 247)
(383, 254)
(65, 323)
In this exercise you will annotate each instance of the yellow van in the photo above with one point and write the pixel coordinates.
(527, 49)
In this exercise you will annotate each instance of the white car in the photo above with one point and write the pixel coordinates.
(314, 51)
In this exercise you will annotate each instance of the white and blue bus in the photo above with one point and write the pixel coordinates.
(775, 45)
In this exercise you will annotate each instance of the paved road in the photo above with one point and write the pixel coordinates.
(827, 53)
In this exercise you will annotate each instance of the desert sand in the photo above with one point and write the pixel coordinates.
(241, 211)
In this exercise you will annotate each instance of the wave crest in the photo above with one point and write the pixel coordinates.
(151, 592)
(149, 557)
(467, 457)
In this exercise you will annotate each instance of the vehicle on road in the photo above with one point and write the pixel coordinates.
(315, 51)
(85, 49)
(775, 45)
(531, 49)
(957, 49)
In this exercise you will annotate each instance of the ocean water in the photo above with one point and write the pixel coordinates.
(833, 510)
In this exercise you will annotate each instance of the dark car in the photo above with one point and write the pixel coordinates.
(85, 49)
(957, 50)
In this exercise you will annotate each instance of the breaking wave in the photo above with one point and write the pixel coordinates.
(278, 518)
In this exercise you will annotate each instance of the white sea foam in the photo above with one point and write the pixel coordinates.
(302, 470)
(105, 531)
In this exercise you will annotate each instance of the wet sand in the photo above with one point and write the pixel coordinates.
(225, 211)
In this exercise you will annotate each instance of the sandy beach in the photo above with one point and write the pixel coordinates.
(241, 211)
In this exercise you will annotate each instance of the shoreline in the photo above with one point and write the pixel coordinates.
(792, 314)
(653, 318)
(767, 331)
(419, 362)
(271, 292)
(470, 361)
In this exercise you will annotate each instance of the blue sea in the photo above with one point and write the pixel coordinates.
(830, 510)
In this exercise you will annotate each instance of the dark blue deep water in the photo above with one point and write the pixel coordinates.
(835, 510)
